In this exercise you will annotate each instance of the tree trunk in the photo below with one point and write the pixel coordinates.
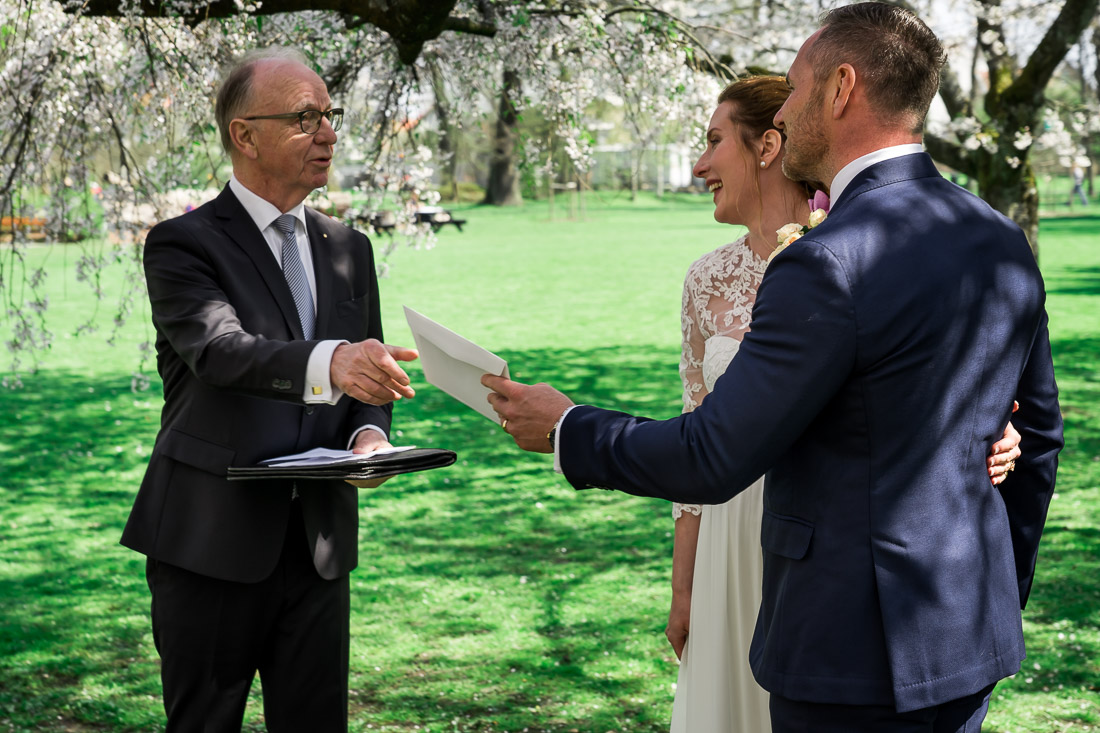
(1012, 192)
(448, 149)
(1084, 101)
(661, 172)
(503, 187)
(636, 175)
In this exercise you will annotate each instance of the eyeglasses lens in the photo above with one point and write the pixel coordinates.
(311, 120)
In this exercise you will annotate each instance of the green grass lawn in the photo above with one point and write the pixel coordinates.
(490, 596)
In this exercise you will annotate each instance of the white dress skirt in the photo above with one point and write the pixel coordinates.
(715, 689)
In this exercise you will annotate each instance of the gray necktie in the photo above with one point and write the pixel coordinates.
(295, 274)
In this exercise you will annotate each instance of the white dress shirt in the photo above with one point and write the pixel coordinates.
(319, 388)
(846, 174)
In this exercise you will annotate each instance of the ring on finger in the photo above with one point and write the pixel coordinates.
(504, 425)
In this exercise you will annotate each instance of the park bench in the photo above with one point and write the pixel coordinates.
(34, 227)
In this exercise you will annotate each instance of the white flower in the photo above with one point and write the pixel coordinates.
(783, 245)
(784, 232)
(789, 233)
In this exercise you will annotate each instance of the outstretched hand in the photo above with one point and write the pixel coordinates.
(368, 371)
(528, 411)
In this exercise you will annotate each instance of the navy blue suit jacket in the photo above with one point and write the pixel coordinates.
(231, 353)
(887, 346)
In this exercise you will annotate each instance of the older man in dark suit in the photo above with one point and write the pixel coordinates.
(886, 349)
(269, 342)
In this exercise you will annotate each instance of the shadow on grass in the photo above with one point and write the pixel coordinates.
(1077, 367)
(1073, 280)
(1063, 612)
(74, 609)
(499, 523)
(490, 595)
(72, 635)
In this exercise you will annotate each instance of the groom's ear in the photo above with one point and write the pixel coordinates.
(844, 83)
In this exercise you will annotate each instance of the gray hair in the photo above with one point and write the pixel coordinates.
(235, 92)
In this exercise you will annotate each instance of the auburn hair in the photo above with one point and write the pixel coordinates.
(754, 101)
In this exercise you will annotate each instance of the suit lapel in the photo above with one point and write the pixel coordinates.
(239, 227)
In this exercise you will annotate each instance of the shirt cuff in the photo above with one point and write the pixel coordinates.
(557, 440)
(319, 386)
(351, 441)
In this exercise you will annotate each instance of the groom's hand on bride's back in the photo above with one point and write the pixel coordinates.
(528, 411)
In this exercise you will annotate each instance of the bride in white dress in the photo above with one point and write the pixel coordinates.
(717, 562)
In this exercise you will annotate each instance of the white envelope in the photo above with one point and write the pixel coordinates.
(455, 364)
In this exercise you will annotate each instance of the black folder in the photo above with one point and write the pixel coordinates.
(367, 467)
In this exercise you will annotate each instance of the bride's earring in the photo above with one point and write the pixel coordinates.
(763, 164)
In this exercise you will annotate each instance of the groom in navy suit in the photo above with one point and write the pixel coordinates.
(886, 350)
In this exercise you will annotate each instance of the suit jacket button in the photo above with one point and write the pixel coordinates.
(310, 410)
(281, 384)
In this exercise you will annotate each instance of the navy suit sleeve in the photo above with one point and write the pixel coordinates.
(192, 310)
(1028, 490)
(800, 350)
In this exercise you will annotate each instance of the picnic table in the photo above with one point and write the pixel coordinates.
(436, 217)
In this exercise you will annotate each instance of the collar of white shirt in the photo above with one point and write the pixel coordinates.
(850, 171)
(263, 212)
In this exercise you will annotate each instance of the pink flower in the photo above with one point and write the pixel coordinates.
(819, 201)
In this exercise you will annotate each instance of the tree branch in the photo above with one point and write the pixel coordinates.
(1000, 65)
(410, 23)
(952, 94)
(470, 26)
(950, 154)
(1030, 86)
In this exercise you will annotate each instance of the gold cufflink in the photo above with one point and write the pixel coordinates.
(317, 390)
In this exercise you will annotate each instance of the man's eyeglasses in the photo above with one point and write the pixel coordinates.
(308, 119)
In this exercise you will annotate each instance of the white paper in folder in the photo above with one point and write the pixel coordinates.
(455, 364)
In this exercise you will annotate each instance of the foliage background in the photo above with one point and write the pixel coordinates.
(110, 131)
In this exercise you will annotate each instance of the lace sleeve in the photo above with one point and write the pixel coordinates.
(678, 509)
(691, 365)
(692, 344)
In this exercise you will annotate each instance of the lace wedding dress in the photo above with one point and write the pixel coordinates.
(715, 690)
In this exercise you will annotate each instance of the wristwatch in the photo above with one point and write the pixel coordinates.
(552, 435)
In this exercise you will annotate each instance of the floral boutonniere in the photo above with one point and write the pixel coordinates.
(819, 209)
